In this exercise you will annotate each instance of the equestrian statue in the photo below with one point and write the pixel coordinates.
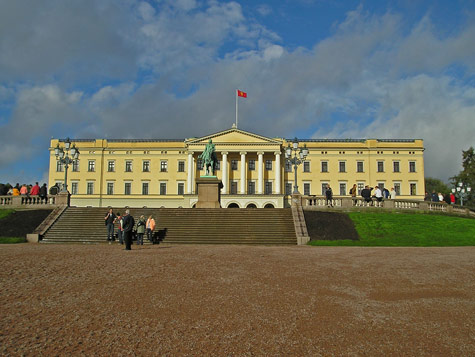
(209, 158)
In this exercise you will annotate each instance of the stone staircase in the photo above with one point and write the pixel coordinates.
(180, 225)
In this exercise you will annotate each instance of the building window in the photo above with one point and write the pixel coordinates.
(127, 188)
(163, 166)
(234, 164)
(288, 166)
(268, 188)
(181, 188)
(268, 165)
(76, 166)
(397, 188)
(59, 166)
(217, 165)
(181, 166)
(91, 167)
(251, 188)
(111, 166)
(324, 166)
(306, 166)
(288, 188)
(199, 164)
(233, 188)
(360, 187)
(413, 189)
(128, 166)
(396, 166)
(252, 165)
(342, 166)
(306, 189)
(380, 166)
(144, 188)
(342, 189)
(359, 166)
(412, 166)
(90, 188)
(110, 188)
(163, 188)
(146, 166)
(74, 188)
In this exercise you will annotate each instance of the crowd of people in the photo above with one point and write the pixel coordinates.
(25, 190)
(378, 195)
(439, 197)
(126, 228)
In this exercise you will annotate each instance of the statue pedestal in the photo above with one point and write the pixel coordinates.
(209, 192)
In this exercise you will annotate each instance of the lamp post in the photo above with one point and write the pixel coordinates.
(299, 156)
(63, 156)
(461, 191)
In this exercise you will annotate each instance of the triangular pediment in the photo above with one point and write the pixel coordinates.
(234, 136)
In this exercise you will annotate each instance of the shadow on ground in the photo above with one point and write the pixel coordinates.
(330, 226)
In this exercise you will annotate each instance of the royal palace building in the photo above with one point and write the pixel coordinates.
(252, 168)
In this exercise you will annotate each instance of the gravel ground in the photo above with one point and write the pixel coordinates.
(194, 300)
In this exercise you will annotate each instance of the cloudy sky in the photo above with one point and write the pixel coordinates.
(170, 68)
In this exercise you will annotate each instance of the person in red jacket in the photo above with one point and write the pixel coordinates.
(452, 198)
(35, 190)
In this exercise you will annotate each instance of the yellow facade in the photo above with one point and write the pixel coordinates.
(161, 173)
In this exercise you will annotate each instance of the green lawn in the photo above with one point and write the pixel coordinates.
(408, 230)
(9, 240)
(12, 240)
(5, 212)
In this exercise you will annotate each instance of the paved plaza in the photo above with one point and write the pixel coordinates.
(236, 300)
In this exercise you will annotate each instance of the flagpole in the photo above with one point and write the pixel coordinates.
(236, 108)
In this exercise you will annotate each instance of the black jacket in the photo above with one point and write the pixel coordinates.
(128, 223)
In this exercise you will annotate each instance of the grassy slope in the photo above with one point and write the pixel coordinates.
(7, 240)
(405, 229)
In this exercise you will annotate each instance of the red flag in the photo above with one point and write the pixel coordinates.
(240, 93)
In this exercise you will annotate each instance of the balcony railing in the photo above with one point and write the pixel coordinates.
(32, 201)
(320, 202)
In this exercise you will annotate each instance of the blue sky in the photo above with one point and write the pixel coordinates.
(169, 69)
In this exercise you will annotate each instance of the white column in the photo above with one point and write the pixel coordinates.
(224, 167)
(260, 176)
(277, 173)
(189, 188)
(243, 173)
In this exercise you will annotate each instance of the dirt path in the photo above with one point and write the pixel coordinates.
(236, 300)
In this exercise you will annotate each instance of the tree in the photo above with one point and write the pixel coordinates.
(433, 184)
(467, 175)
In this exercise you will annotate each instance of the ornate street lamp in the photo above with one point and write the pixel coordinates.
(461, 191)
(63, 156)
(299, 156)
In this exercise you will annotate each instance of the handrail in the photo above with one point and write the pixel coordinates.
(320, 202)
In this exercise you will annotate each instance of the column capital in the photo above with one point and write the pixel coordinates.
(260, 153)
(224, 152)
(277, 153)
(191, 152)
(243, 153)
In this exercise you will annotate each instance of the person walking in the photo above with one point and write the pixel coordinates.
(329, 196)
(128, 225)
(109, 221)
(140, 230)
(150, 227)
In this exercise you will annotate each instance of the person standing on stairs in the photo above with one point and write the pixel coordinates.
(120, 229)
(140, 230)
(110, 219)
(150, 226)
(128, 225)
